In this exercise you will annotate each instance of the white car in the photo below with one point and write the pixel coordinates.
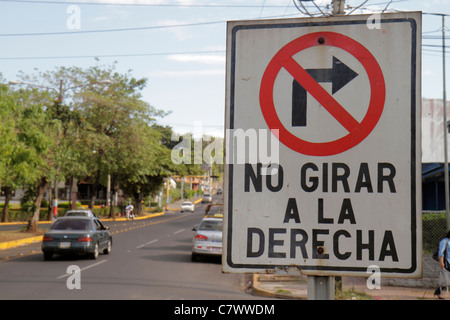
(187, 206)
(206, 198)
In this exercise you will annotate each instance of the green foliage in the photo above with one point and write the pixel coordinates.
(69, 123)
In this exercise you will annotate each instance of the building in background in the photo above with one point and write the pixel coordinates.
(433, 186)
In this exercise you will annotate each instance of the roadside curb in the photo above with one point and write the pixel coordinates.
(16, 243)
(258, 289)
(148, 216)
(274, 286)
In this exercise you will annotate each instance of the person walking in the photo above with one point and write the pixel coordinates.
(444, 263)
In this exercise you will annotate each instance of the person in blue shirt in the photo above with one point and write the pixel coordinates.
(444, 262)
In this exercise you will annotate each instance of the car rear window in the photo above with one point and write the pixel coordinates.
(211, 225)
(71, 225)
(76, 213)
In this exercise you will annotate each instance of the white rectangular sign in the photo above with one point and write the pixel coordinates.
(323, 170)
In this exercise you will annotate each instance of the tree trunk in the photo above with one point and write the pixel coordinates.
(42, 188)
(8, 197)
(114, 190)
(138, 204)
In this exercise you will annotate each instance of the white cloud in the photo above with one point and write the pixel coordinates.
(180, 33)
(130, 1)
(428, 72)
(187, 73)
(198, 58)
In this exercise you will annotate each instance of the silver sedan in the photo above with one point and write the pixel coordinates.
(207, 238)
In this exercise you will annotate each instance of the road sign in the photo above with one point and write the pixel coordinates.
(334, 187)
(339, 76)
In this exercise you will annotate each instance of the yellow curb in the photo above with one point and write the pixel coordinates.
(22, 222)
(157, 214)
(15, 243)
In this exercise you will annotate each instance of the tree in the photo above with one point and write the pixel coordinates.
(60, 122)
(147, 167)
(117, 134)
(8, 138)
(27, 141)
(94, 131)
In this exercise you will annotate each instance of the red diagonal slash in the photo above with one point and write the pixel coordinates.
(357, 131)
(319, 93)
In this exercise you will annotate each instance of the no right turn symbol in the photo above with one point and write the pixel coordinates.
(307, 81)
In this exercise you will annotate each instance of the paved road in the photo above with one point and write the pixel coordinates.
(149, 261)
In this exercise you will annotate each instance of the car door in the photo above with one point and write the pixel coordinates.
(100, 230)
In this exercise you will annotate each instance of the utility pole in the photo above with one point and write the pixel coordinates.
(338, 7)
(444, 103)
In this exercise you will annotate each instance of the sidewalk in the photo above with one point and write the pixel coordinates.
(353, 288)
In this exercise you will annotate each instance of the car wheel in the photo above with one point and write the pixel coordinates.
(48, 256)
(94, 254)
(108, 248)
(194, 257)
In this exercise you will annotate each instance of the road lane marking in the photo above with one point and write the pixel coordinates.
(82, 269)
(179, 231)
(146, 244)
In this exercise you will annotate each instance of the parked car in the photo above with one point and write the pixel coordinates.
(206, 197)
(77, 235)
(80, 212)
(187, 206)
(207, 238)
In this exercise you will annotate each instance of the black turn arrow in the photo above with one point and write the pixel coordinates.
(339, 75)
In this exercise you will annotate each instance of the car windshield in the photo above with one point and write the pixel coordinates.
(214, 225)
(187, 203)
(66, 224)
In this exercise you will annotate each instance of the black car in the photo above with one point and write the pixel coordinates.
(77, 235)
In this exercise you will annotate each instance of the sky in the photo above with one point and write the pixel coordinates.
(179, 46)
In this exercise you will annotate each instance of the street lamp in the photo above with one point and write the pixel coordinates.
(60, 93)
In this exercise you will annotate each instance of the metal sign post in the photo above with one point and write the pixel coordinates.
(320, 288)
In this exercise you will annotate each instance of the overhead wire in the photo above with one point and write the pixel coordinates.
(143, 4)
(304, 11)
(109, 30)
(114, 55)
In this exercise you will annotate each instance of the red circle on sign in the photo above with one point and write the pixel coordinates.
(357, 131)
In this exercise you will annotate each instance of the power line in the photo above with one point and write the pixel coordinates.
(143, 4)
(113, 55)
(109, 30)
(182, 25)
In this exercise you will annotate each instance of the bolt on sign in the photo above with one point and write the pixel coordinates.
(323, 144)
